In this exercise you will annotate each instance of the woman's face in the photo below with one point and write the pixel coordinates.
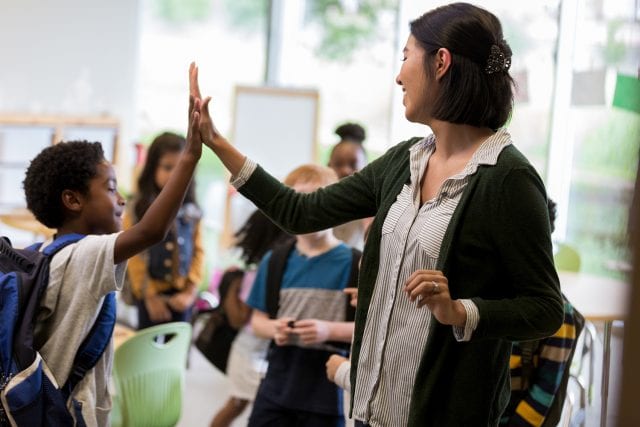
(412, 78)
(167, 162)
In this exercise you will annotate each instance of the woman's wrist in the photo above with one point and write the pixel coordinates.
(460, 314)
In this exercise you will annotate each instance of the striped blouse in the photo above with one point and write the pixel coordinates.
(396, 331)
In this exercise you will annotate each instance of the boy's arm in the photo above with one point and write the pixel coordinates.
(338, 371)
(237, 311)
(275, 329)
(155, 223)
(314, 331)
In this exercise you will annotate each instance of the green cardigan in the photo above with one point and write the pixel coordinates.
(496, 251)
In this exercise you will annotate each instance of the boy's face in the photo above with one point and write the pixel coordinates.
(309, 187)
(103, 205)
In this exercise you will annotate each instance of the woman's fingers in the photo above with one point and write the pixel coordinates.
(427, 287)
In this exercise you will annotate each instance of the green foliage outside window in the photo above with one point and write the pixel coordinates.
(344, 31)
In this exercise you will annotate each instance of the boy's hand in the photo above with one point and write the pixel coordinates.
(353, 293)
(333, 363)
(157, 308)
(283, 330)
(312, 331)
(194, 139)
(207, 130)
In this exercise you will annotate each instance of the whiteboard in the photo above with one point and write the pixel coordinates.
(275, 127)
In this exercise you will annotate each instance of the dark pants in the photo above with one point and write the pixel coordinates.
(269, 414)
(360, 424)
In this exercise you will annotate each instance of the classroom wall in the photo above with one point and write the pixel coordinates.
(75, 57)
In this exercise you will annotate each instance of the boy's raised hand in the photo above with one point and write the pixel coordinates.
(208, 132)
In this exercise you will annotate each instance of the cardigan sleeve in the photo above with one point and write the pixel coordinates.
(521, 233)
(351, 198)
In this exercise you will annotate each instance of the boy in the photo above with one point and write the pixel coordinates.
(72, 188)
(312, 309)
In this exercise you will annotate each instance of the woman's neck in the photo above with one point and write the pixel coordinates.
(453, 140)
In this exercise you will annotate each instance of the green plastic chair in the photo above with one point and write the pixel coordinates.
(149, 371)
(566, 258)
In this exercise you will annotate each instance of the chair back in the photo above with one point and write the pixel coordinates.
(566, 258)
(149, 373)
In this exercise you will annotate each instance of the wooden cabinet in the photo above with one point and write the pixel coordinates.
(22, 137)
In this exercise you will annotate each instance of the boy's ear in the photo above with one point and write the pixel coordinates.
(72, 200)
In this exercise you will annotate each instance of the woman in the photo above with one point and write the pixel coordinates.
(458, 259)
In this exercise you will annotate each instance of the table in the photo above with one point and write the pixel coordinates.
(598, 299)
(121, 333)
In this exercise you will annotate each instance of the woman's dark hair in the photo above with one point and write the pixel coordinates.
(477, 89)
(63, 166)
(352, 132)
(164, 143)
(257, 236)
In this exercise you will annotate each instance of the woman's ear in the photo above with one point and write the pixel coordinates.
(442, 62)
(72, 200)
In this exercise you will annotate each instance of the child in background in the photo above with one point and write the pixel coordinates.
(247, 359)
(312, 311)
(165, 277)
(72, 188)
(347, 157)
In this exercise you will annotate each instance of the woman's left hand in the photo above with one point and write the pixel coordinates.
(431, 288)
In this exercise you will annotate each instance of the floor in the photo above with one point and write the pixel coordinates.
(206, 389)
(206, 392)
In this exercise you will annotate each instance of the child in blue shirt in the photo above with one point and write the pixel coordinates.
(311, 313)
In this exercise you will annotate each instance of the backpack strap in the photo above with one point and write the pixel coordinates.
(57, 244)
(528, 348)
(275, 273)
(356, 255)
(93, 345)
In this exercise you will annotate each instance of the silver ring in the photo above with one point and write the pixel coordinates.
(435, 287)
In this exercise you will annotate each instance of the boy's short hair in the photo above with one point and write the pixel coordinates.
(310, 173)
(63, 166)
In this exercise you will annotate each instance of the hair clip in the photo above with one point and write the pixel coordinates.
(497, 61)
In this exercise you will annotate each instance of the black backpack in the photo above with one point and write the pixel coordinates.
(28, 391)
(529, 348)
(275, 272)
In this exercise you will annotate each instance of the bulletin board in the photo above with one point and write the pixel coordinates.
(276, 127)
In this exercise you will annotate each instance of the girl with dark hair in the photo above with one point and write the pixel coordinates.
(164, 279)
(458, 261)
(247, 359)
(348, 157)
